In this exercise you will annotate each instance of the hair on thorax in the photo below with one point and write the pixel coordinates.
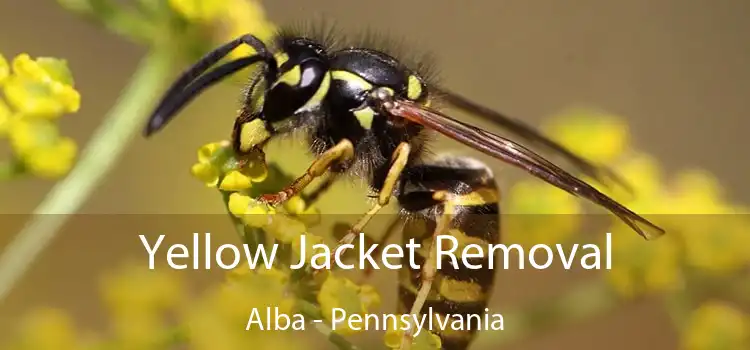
(331, 37)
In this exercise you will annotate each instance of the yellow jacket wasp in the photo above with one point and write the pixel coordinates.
(366, 113)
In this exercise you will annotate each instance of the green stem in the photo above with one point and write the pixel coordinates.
(96, 161)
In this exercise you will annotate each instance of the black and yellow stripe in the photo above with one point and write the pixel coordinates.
(470, 193)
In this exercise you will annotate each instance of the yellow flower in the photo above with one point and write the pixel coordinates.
(640, 266)
(276, 276)
(252, 212)
(540, 213)
(27, 135)
(244, 17)
(209, 150)
(42, 87)
(238, 204)
(643, 173)
(297, 207)
(37, 92)
(4, 69)
(537, 197)
(717, 326)
(53, 161)
(234, 18)
(206, 173)
(6, 117)
(57, 327)
(38, 144)
(425, 340)
(714, 235)
(697, 192)
(138, 329)
(211, 157)
(597, 136)
(238, 273)
(716, 243)
(44, 69)
(207, 169)
(339, 292)
(219, 320)
(215, 159)
(138, 313)
(235, 181)
(124, 292)
(199, 10)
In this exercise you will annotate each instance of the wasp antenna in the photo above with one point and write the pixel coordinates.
(186, 87)
(169, 107)
(527, 132)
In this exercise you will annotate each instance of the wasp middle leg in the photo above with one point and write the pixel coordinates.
(398, 163)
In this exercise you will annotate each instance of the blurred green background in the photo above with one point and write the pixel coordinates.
(675, 70)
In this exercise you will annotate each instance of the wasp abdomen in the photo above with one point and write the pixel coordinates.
(468, 191)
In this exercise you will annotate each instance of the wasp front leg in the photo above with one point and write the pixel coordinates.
(341, 152)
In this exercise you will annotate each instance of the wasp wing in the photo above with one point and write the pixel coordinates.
(530, 134)
(517, 155)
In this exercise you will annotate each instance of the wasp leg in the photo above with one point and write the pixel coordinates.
(429, 269)
(458, 195)
(400, 158)
(388, 234)
(341, 152)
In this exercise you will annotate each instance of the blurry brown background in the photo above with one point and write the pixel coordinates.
(677, 69)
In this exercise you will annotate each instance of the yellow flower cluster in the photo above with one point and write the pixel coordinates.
(219, 321)
(234, 17)
(36, 93)
(425, 340)
(580, 129)
(716, 325)
(138, 314)
(215, 162)
(533, 207)
(690, 206)
(165, 315)
(644, 267)
(339, 292)
(217, 167)
(705, 232)
(58, 327)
